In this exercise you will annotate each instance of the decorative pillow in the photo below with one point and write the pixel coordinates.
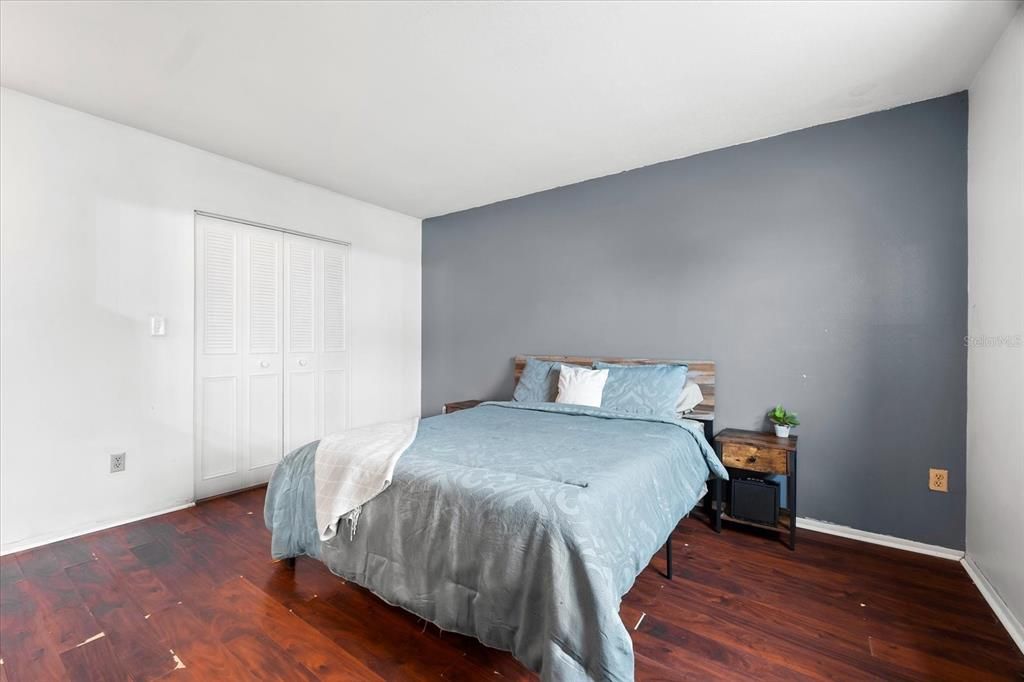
(649, 390)
(581, 386)
(538, 383)
(690, 398)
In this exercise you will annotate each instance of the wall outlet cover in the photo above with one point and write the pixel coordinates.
(117, 462)
(938, 480)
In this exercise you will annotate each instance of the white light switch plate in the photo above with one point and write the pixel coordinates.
(157, 326)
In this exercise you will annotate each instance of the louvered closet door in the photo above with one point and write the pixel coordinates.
(315, 337)
(239, 355)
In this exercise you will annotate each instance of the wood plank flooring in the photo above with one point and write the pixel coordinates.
(193, 595)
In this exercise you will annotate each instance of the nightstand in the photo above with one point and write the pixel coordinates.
(460, 405)
(745, 452)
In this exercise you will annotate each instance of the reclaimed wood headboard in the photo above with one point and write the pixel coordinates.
(700, 371)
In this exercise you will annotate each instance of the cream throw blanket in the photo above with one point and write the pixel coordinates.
(353, 467)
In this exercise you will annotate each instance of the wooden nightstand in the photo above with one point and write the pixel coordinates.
(762, 453)
(460, 405)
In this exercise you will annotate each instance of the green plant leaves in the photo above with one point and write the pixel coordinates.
(779, 415)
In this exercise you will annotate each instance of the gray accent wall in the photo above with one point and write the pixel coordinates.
(824, 269)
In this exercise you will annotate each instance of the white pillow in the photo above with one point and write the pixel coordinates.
(690, 397)
(581, 386)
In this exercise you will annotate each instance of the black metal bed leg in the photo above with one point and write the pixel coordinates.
(668, 556)
(290, 562)
(716, 507)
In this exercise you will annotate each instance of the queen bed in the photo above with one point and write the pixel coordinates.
(519, 523)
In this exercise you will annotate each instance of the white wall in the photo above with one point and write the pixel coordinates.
(995, 364)
(97, 234)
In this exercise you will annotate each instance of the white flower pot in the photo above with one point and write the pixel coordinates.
(782, 431)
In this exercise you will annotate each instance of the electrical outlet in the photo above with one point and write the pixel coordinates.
(117, 462)
(938, 480)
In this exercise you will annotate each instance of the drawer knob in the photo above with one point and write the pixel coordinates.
(751, 459)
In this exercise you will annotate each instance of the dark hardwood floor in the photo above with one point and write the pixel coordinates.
(193, 595)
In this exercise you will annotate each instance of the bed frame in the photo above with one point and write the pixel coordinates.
(700, 371)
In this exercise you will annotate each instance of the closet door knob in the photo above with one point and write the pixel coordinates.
(264, 364)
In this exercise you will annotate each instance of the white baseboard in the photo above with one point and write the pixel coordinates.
(40, 540)
(1002, 611)
(879, 539)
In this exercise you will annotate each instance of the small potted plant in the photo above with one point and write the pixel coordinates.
(783, 421)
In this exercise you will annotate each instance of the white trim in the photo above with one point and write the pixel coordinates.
(275, 228)
(1013, 626)
(39, 541)
(879, 539)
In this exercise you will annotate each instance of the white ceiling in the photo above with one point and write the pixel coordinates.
(433, 107)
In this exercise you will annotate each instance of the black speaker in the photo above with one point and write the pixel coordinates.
(755, 499)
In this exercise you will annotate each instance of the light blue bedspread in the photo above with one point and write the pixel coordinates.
(520, 524)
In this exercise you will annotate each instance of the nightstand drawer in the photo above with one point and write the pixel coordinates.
(753, 458)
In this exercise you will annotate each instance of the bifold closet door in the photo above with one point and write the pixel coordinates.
(239, 355)
(315, 338)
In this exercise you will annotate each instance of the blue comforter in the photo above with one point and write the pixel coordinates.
(520, 524)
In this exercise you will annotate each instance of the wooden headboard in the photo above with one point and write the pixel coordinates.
(700, 371)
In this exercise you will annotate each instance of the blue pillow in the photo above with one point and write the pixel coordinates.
(649, 390)
(539, 382)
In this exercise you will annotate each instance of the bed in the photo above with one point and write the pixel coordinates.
(520, 524)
